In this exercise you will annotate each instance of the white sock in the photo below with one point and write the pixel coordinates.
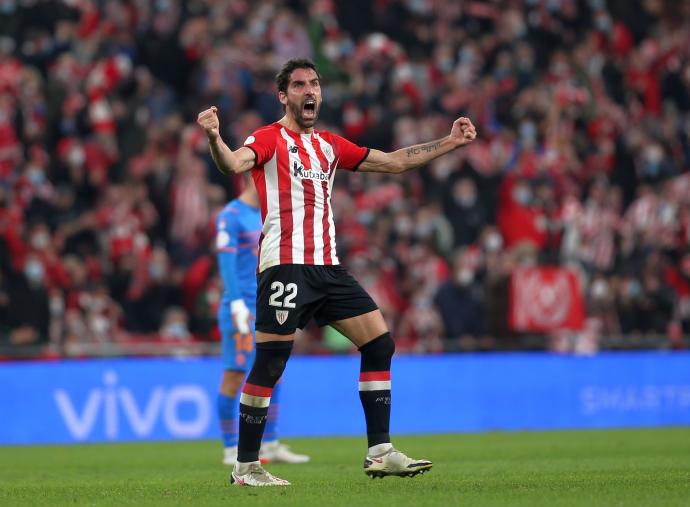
(379, 449)
(269, 445)
(243, 468)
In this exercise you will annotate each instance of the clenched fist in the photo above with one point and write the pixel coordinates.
(463, 131)
(208, 120)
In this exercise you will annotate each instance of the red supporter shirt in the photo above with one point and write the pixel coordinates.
(293, 174)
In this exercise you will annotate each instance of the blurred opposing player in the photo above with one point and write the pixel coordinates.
(238, 228)
(293, 167)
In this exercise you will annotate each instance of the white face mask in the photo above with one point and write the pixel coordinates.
(522, 195)
(156, 271)
(600, 289)
(466, 199)
(57, 305)
(33, 270)
(40, 241)
(176, 330)
(76, 156)
(603, 22)
(36, 175)
(527, 131)
(654, 154)
(464, 277)
(331, 50)
(493, 242)
(404, 226)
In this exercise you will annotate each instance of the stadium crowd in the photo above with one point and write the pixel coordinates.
(108, 192)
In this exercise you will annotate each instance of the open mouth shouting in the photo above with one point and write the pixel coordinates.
(309, 111)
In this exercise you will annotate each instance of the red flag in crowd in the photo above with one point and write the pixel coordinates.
(544, 299)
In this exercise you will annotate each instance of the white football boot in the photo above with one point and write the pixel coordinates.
(275, 452)
(393, 462)
(229, 455)
(253, 474)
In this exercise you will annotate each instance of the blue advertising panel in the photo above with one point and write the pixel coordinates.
(157, 399)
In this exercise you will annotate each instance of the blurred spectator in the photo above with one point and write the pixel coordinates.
(520, 219)
(27, 311)
(678, 278)
(151, 291)
(465, 211)
(460, 302)
(655, 305)
(591, 232)
(174, 325)
(602, 298)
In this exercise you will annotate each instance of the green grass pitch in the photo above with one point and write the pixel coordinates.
(583, 468)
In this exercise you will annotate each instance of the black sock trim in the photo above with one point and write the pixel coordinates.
(275, 345)
(377, 354)
(248, 457)
(372, 343)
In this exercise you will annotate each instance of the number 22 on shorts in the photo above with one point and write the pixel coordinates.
(278, 289)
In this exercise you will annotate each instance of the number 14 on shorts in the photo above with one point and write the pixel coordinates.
(244, 342)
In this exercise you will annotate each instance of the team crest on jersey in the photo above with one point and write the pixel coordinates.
(281, 316)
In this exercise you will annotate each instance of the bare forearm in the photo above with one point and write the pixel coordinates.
(408, 158)
(400, 161)
(421, 154)
(222, 155)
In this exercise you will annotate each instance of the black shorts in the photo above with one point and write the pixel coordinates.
(289, 295)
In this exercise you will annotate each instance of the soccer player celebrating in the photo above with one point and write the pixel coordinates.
(238, 227)
(299, 274)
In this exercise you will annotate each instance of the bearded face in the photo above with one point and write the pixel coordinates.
(305, 111)
(303, 98)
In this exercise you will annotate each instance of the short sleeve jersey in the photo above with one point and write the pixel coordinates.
(293, 174)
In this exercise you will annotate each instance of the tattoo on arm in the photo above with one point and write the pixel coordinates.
(427, 148)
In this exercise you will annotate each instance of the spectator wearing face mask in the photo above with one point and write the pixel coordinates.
(28, 309)
(465, 211)
(421, 325)
(461, 305)
(653, 165)
(627, 298)
(494, 271)
(678, 278)
(40, 245)
(655, 304)
(146, 306)
(518, 220)
(174, 325)
(602, 304)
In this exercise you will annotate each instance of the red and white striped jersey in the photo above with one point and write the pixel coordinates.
(293, 174)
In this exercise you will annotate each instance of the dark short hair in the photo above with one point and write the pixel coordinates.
(283, 77)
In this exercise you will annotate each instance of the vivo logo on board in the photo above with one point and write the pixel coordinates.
(117, 407)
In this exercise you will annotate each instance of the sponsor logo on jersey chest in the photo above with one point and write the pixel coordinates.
(299, 171)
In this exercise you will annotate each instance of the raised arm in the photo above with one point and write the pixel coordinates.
(400, 161)
(227, 161)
